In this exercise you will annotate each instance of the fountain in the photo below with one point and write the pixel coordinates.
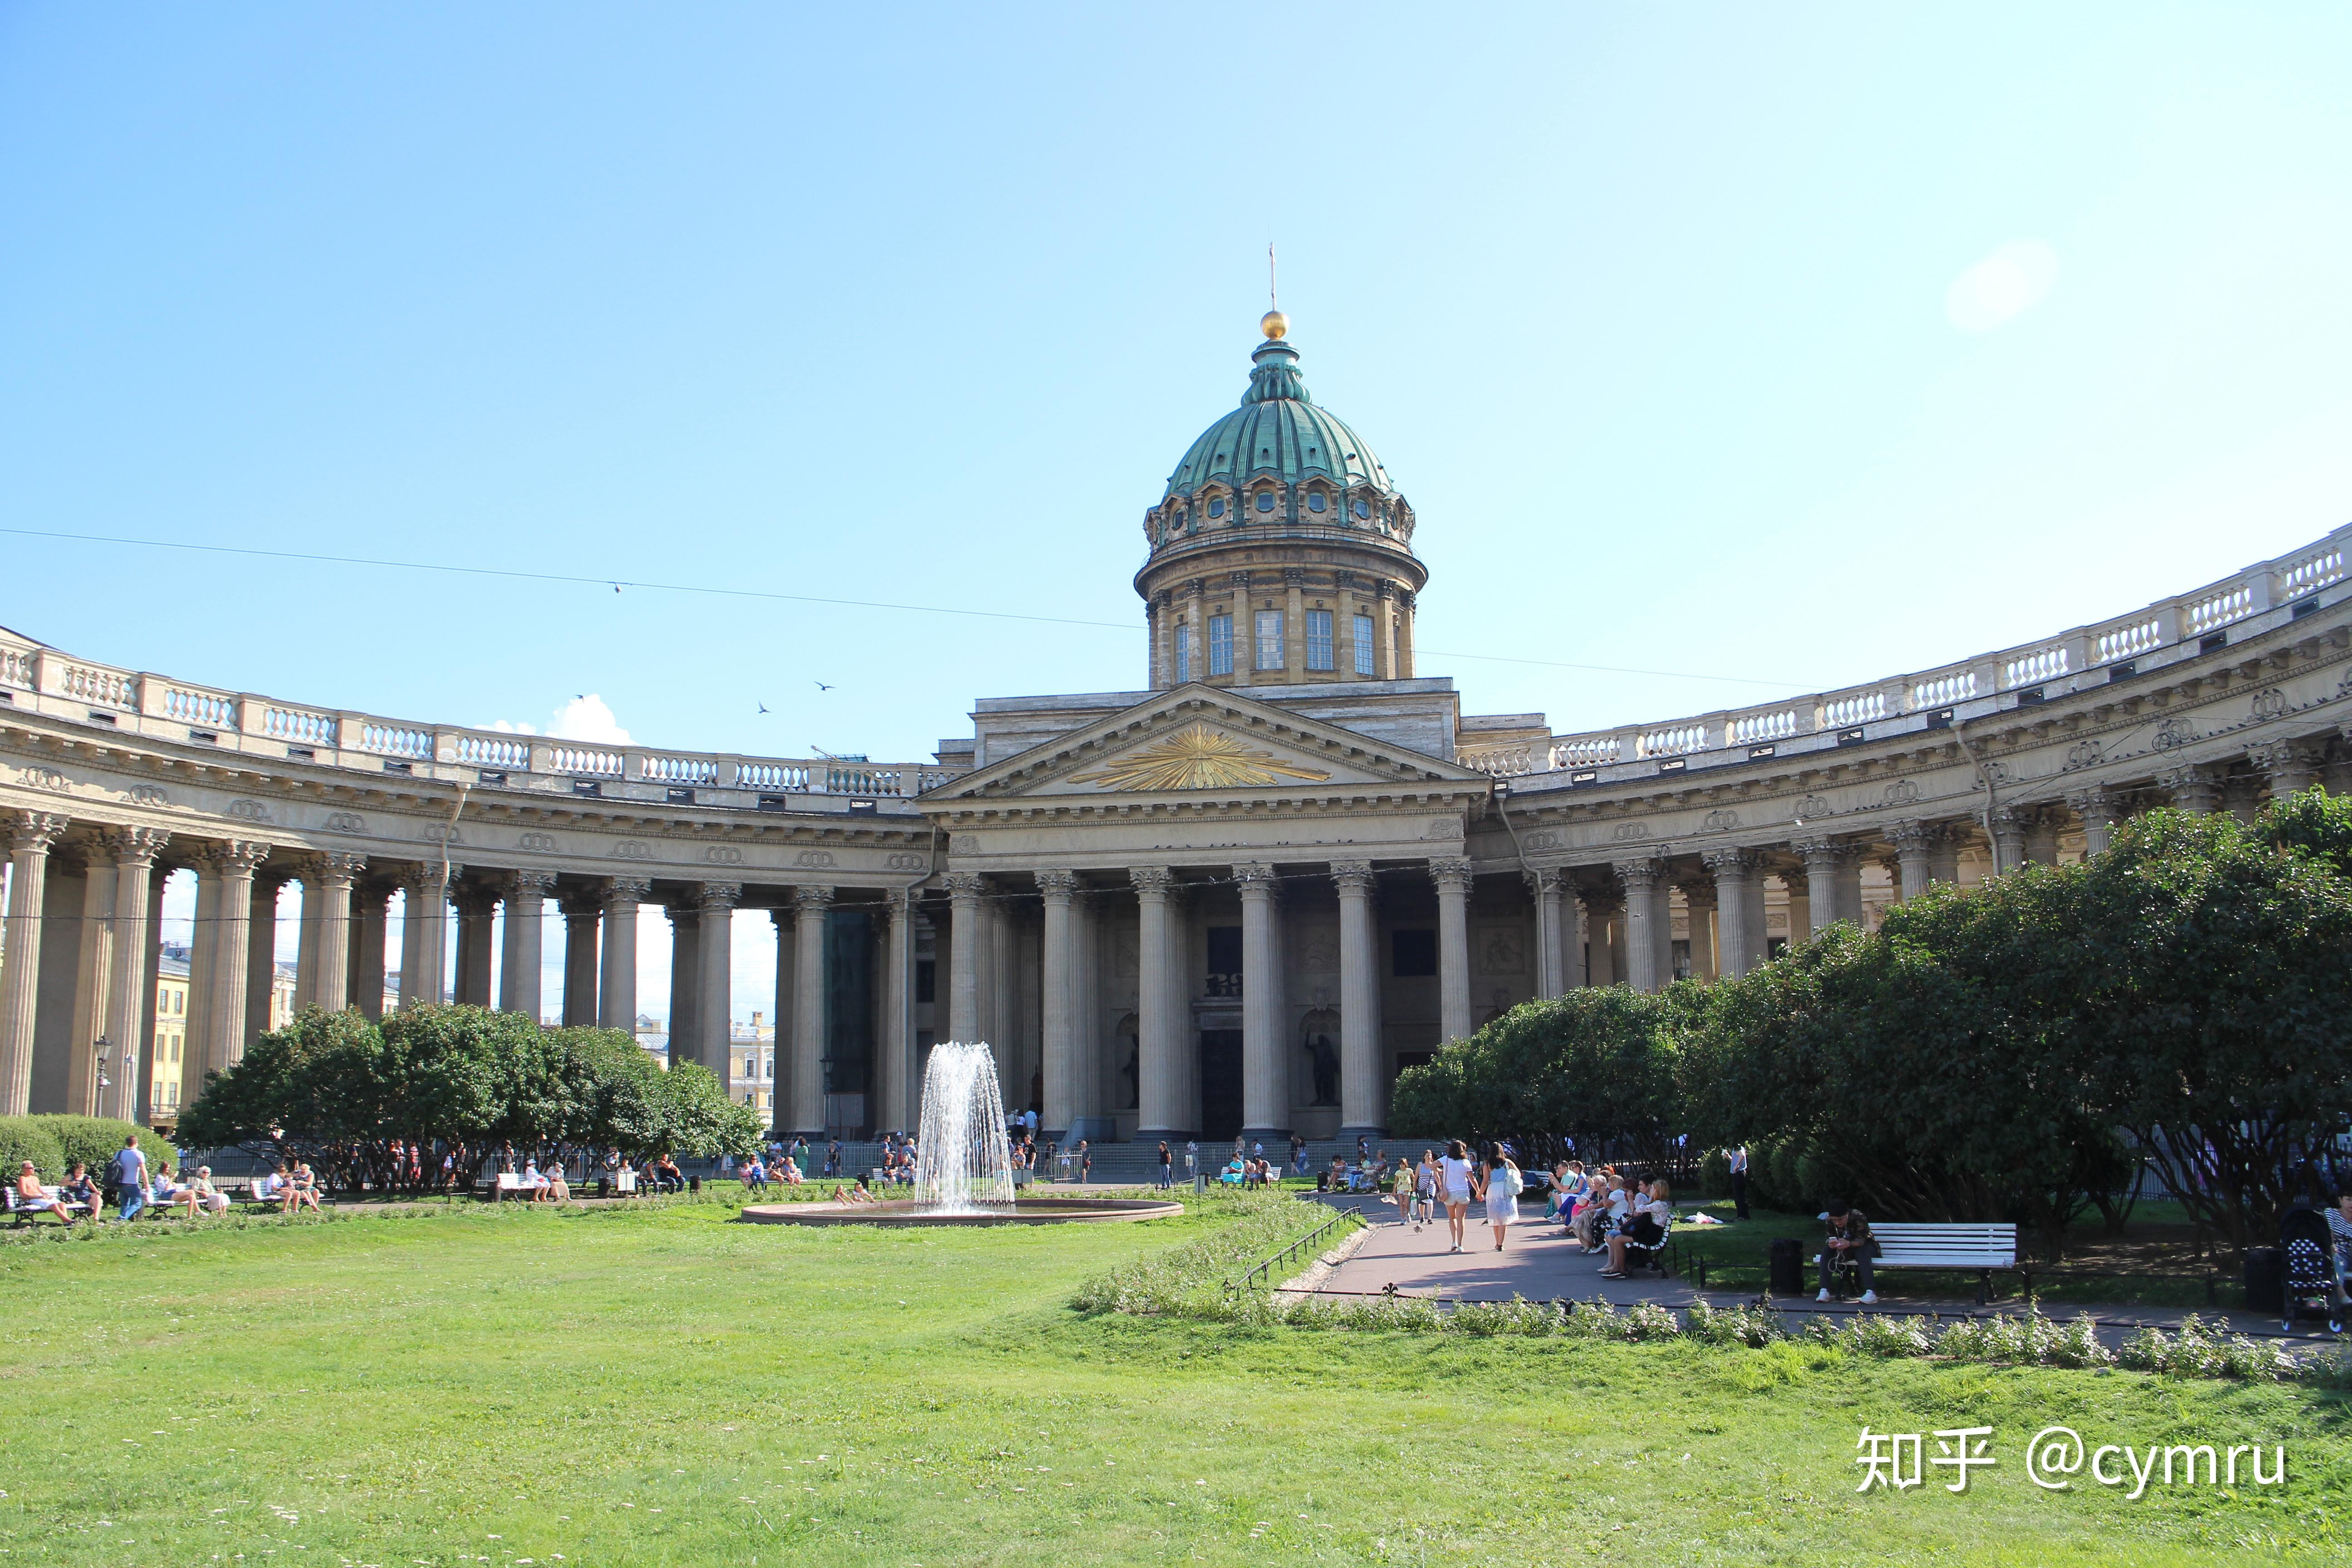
(963, 1163)
(962, 1157)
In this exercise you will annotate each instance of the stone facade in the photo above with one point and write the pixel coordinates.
(1236, 901)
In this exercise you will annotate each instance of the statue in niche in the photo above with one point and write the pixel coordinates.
(1322, 1055)
(1132, 1069)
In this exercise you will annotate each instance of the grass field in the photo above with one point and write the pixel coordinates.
(660, 1386)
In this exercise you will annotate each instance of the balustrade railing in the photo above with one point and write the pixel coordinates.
(205, 709)
(1501, 762)
(587, 762)
(2219, 610)
(105, 688)
(1856, 708)
(2311, 574)
(395, 740)
(2033, 668)
(299, 724)
(17, 668)
(678, 770)
(2126, 642)
(1746, 728)
(493, 752)
(1673, 741)
(1943, 690)
(771, 775)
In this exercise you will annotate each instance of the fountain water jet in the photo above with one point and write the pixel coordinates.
(962, 1157)
(964, 1165)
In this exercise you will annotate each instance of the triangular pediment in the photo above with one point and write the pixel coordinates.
(1199, 740)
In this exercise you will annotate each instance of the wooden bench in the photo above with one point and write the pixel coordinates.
(24, 1213)
(1981, 1247)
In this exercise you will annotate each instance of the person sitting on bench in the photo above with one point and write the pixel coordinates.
(80, 1189)
(1848, 1242)
(208, 1195)
(1646, 1226)
(34, 1198)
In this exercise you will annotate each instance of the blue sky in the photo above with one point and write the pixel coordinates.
(1652, 313)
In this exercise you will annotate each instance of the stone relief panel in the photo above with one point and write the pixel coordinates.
(248, 811)
(1502, 951)
(632, 849)
(345, 822)
(907, 861)
(148, 794)
(723, 854)
(536, 843)
(812, 859)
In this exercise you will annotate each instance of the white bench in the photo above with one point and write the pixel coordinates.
(1982, 1247)
(24, 1213)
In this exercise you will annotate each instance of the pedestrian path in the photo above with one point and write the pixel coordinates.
(1540, 1263)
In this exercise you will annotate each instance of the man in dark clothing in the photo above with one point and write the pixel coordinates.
(1848, 1240)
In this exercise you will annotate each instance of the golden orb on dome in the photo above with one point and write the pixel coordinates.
(1274, 324)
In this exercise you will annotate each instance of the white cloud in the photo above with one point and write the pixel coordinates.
(2014, 278)
(584, 717)
(588, 718)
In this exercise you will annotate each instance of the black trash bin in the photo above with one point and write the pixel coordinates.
(2266, 1280)
(1787, 1264)
(694, 1183)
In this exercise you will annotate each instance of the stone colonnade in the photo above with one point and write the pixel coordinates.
(80, 946)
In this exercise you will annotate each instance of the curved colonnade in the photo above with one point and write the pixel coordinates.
(1387, 872)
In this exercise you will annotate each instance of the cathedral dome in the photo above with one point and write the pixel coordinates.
(1279, 460)
(1279, 431)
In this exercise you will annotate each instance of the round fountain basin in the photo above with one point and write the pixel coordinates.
(906, 1211)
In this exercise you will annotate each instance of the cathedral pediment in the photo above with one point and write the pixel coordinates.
(1200, 739)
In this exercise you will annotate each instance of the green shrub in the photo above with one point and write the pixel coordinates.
(94, 1141)
(22, 1138)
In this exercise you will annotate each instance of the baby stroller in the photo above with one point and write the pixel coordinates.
(2314, 1277)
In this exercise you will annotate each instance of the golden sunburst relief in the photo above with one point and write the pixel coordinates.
(1196, 757)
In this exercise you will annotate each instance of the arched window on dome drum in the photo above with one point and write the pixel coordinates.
(1265, 500)
(1217, 507)
(1315, 502)
(1363, 510)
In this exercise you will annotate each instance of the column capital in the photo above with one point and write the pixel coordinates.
(2196, 788)
(1639, 874)
(428, 878)
(966, 885)
(1730, 865)
(32, 832)
(1153, 881)
(231, 858)
(471, 898)
(1058, 886)
(1258, 879)
(2096, 804)
(1354, 878)
(1452, 873)
(1542, 879)
(1823, 855)
(581, 903)
(812, 898)
(133, 845)
(719, 896)
(524, 884)
(1912, 837)
(1697, 892)
(784, 915)
(333, 870)
(627, 890)
(902, 903)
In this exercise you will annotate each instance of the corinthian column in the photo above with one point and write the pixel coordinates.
(221, 955)
(523, 942)
(370, 915)
(2100, 811)
(1162, 1109)
(1642, 878)
(1911, 841)
(1363, 1083)
(1550, 968)
(1738, 949)
(326, 965)
(895, 1039)
(813, 906)
(423, 933)
(964, 938)
(1265, 1055)
(582, 911)
(2196, 790)
(30, 833)
(2291, 766)
(476, 920)
(1453, 876)
(130, 999)
(616, 1001)
(1060, 967)
(715, 978)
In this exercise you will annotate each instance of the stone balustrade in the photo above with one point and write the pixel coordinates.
(2258, 599)
(40, 679)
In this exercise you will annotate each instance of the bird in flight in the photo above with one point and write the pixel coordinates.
(763, 706)
(820, 686)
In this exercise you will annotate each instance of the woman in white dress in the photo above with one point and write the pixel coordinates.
(1503, 1184)
(1455, 1176)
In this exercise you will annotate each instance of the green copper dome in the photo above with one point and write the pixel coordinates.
(1277, 432)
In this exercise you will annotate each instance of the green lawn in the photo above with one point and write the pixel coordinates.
(659, 1387)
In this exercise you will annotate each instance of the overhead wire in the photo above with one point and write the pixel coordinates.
(618, 583)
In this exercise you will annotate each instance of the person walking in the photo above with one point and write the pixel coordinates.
(1456, 1177)
(130, 1179)
(1167, 1166)
(1424, 1190)
(1736, 1157)
(1403, 1190)
(1504, 1184)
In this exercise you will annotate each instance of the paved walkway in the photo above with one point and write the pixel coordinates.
(1540, 1263)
